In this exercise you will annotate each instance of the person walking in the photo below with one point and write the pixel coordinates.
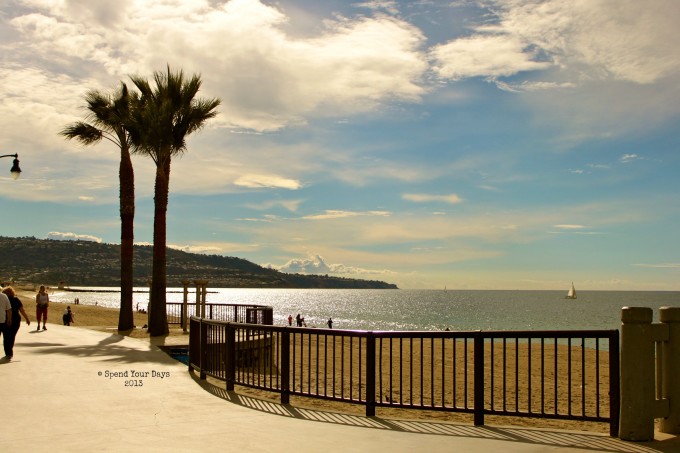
(290, 320)
(11, 331)
(330, 323)
(42, 301)
(5, 316)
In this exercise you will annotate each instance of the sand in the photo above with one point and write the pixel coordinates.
(106, 319)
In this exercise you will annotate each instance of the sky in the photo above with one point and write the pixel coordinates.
(491, 144)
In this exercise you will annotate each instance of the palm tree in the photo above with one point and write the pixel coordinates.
(163, 116)
(108, 116)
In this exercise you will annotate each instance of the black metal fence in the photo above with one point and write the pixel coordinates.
(250, 314)
(551, 374)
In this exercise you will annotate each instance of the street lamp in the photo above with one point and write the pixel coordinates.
(15, 170)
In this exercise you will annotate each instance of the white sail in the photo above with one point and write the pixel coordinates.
(572, 292)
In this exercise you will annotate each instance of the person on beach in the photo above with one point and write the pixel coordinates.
(67, 317)
(298, 320)
(42, 301)
(330, 323)
(5, 316)
(290, 320)
(11, 331)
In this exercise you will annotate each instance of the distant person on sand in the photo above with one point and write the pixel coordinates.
(290, 320)
(67, 317)
(298, 320)
(330, 323)
(42, 301)
(11, 331)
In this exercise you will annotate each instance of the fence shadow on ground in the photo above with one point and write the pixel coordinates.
(547, 437)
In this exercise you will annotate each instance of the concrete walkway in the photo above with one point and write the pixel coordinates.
(73, 389)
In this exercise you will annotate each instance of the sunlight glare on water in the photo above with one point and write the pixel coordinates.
(418, 309)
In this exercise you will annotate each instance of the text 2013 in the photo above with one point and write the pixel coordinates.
(134, 383)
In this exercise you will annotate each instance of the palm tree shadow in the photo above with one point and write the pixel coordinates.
(534, 436)
(110, 349)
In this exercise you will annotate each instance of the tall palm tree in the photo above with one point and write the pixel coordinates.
(163, 116)
(108, 116)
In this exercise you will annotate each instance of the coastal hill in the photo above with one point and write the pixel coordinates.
(86, 263)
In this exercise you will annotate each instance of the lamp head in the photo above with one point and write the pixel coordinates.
(15, 171)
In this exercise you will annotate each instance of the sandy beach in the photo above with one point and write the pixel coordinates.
(101, 318)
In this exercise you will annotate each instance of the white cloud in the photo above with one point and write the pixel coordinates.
(290, 205)
(336, 214)
(201, 249)
(389, 6)
(596, 39)
(266, 78)
(570, 227)
(267, 181)
(660, 265)
(485, 56)
(627, 158)
(59, 236)
(424, 198)
(316, 264)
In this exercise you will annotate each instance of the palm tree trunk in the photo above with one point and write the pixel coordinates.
(158, 317)
(127, 217)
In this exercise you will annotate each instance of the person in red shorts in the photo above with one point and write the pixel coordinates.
(42, 300)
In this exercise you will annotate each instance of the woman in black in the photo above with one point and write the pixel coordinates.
(10, 333)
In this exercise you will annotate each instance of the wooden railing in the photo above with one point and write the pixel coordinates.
(551, 374)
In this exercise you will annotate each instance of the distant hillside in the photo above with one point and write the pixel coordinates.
(84, 263)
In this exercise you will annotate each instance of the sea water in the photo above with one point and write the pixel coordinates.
(416, 309)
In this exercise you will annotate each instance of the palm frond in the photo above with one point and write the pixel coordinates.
(83, 132)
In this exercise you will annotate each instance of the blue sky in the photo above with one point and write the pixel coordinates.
(492, 144)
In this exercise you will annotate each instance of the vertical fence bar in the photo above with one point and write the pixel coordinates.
(542, 375)
(505, 373)
(529, 375)
(230, 352)
(492, 360)
(583, 377)
(479, 380)
(453, 370)
(516, 374)
(614, 385)
(370, 375)
(204, 348)
(285, 366)
(569, 376)
(410, 374)
(465, 374)
(556, 349)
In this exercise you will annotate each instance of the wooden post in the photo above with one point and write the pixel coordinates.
(637, 375)
(670, 359)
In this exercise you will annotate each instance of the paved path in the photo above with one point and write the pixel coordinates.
(61, 393)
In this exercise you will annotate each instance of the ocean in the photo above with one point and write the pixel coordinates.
(417, 309)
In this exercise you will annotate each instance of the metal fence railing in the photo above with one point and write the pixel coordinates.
(551, 374)
(251, 314)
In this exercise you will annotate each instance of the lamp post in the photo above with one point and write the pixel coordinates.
(15, 170)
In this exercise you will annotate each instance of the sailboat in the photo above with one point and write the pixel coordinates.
(571, 294)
